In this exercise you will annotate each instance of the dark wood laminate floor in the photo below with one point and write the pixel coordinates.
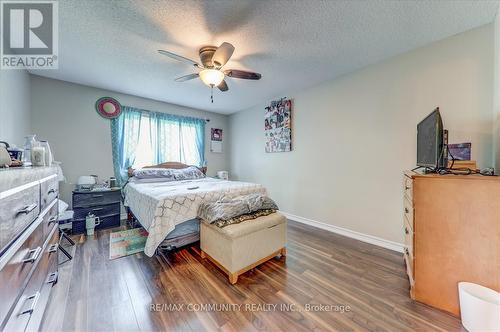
(322, 268)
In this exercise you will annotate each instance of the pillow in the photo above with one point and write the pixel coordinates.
(189, 173)
(166, 174)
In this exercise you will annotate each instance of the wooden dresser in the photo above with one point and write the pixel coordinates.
(29, 238)
(452, 234)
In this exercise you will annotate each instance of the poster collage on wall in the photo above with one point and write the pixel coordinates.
(278, 126)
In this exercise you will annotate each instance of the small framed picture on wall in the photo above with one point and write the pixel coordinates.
(216, 140)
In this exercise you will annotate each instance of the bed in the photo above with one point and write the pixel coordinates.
(164, 208)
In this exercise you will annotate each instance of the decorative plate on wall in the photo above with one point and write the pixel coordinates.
(108, 107)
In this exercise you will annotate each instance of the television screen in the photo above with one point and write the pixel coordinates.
(430, 141)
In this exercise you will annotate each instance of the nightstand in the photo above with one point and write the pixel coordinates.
(104, 204)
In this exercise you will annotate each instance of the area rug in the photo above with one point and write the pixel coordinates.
(127, 242)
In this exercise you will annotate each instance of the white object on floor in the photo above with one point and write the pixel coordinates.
(224, 175)
(66, 215)
(62, 206)
(479, 307)
(65, 220)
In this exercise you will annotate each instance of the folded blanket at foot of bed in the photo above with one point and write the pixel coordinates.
(227, 211)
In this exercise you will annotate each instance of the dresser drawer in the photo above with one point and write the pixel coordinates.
(408, 187)
(98, 211)
(408, 211)
(409, 266)
(22, 257)
(49, 191)
(50, 217)
(95, 198)
(18, 208)
(408, 237)
(32, 301)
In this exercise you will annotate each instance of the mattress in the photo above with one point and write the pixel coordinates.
(160, 206)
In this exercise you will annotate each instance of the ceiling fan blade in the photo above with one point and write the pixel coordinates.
(180, 58)
(186, 77)
(222, 55)
(246, 75)
(223, 86)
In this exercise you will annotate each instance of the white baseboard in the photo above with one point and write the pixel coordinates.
(347, 232)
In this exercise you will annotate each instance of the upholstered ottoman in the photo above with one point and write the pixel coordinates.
(240, 247)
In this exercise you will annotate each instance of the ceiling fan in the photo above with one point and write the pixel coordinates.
(212, 60)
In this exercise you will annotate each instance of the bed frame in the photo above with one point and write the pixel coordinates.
(185, 233)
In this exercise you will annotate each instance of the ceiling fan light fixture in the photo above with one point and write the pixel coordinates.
(211, 77)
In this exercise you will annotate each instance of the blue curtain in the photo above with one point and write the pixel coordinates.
(178, 138)
(125, 131)
(172, 138)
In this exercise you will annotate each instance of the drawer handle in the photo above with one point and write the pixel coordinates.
(406, 230)
(97, 209)
(407, 188)
(52, 220)
(31, 308)
(27, 209)
(32, 255)
(97, 196)
(51, 191)
(53, 247)
(406, 210)
(52, 278)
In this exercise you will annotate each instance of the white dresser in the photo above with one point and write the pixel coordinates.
(29, 239)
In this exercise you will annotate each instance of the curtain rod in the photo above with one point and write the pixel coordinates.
(148, 111)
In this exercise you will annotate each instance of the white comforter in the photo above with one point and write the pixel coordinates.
(159, 206)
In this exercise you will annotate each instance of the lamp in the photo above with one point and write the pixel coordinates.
(211, 77)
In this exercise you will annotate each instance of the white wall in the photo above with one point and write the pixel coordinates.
(354, 136)
(15, 104)
(64, 114)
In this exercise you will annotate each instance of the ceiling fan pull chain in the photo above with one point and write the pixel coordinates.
(212, 93)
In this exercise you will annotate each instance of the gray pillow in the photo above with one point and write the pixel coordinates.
(166, 174)
(189, 173)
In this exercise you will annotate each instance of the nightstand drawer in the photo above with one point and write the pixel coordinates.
(95, 198)
(98, 211)
(106, 222)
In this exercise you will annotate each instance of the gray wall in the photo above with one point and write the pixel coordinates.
(15, 104)
(64, 114)
(354, 136)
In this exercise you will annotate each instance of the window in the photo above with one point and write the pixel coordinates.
(141, 138)
(163, 140)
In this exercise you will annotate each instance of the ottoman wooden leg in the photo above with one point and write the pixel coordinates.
(233, 278)
(283, 252)
(202, 254)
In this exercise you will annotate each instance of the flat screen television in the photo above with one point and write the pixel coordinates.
(430, 142)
